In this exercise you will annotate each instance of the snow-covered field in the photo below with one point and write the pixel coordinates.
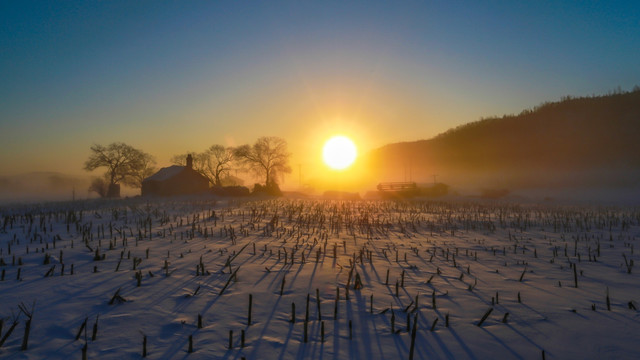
(553, 282)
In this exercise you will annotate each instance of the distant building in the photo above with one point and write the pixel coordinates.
(175, 180)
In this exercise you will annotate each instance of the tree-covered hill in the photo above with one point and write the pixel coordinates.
(588, 141)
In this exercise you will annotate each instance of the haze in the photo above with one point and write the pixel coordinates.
(179, 76)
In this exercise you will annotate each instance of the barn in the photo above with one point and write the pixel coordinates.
(175, 180)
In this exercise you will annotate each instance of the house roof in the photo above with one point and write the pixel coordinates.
(166, 173)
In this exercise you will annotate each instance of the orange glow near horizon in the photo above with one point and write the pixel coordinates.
(310, 170)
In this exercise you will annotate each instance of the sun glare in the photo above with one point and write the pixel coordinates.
(339, 152)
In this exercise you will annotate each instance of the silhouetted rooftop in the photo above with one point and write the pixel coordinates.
(166, 173)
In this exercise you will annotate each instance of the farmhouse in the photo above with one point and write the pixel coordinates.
(175, 180)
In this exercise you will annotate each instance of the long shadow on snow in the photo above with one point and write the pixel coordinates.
(524, 337)
(442, 345)
(254, 354)
(507, 347)
(286, 342)
(361, 336)
(463, 345)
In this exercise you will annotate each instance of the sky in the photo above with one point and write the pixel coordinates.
(169, 77)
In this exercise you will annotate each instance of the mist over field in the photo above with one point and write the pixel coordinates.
(586, 147)
(572, 150)
(43, 186)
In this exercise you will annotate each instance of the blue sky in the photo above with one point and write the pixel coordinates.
(170, 77)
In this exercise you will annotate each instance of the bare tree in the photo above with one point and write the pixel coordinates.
(218, 163)
(199, 161)
(181, 159)
(267, 158)
(123, 163)
(146, 169)
(213, 163)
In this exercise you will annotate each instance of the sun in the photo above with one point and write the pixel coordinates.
(339, 152)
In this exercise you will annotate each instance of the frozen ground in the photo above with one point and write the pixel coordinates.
(459, 260)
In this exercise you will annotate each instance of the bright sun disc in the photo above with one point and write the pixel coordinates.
(339, 152)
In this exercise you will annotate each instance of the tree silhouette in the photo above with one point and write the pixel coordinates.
(146, 169)
(100, 186)
(218, 162)
(181, 160)
(124, 163)
(213, 163)
(267, 158)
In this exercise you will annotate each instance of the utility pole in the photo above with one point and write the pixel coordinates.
(410, 170)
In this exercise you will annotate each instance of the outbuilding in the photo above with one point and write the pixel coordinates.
(175, 180)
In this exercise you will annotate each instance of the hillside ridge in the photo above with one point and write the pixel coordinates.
(585, 141)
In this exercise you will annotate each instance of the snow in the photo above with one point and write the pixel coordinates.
(463, 254)
(166, 173)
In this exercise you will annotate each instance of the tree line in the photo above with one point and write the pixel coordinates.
(574, 142)
(268, 159)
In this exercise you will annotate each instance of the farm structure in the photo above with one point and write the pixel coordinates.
(175, 180)
(398, 189)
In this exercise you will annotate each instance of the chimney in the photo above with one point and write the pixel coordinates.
(189, 161)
